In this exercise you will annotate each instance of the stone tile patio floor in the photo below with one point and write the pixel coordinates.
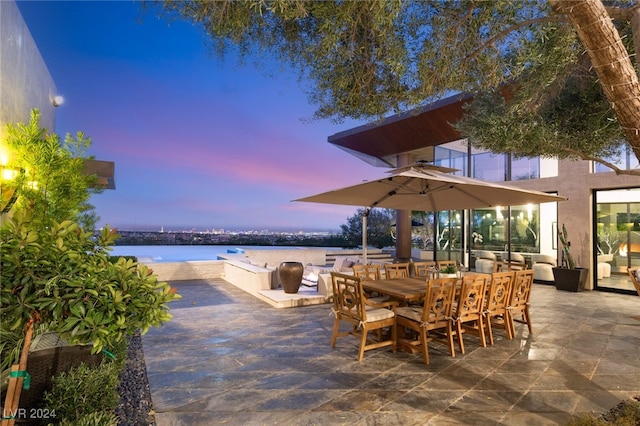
(229, 358)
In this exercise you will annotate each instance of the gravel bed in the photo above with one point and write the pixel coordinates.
(135, 408)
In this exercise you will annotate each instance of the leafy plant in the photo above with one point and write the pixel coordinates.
(101, 418)
(53, 184)
(11, 341)
(566, 247)
(626, 413)
(59, 275)
(84, 390)
(449, 269)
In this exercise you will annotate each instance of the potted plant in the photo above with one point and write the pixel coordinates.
(567, 276)
(448, 271)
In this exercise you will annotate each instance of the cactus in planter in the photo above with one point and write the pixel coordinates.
(566, 248)
(569, 277)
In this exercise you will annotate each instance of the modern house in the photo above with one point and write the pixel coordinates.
(601, 214)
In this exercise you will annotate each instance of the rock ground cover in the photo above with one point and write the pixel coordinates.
(135, 408)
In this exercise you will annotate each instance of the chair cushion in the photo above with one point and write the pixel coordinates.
(515, 257)
(485, 254)
(378, 314)
(543, 258)
(412, 313)
(542, 272)
(484, 266)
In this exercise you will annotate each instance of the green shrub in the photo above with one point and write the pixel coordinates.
(103, 418)
(627, 413)
(60, 275)
(84, 390)
(88, 395)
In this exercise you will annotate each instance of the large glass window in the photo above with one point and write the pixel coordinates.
(492, 232)
(626, 161)
(489, 167)
(493, 167)
(453, 158)
(485, 165)
(525, 168)
(449, 235)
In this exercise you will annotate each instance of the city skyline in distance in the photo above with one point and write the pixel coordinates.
(226, 229)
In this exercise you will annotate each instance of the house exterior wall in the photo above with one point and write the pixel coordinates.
(25, 82)
(576, 182)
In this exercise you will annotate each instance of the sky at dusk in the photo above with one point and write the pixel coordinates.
(197, 141)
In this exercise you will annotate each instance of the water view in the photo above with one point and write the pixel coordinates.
(177, 253)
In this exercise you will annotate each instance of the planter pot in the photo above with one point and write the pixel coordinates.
(570, 279)
(448, 275)
(44, 364)
(290, 274)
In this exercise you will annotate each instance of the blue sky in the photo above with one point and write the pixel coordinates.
(197, 141)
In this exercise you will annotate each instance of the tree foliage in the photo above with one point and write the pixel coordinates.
(52, 184)
(363, 59)
(562, 114)
(367, 58)
(379, 223)
(576, 121)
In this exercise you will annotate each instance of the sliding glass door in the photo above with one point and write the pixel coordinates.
(617, 242)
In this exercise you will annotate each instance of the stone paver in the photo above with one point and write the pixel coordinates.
(229, 358)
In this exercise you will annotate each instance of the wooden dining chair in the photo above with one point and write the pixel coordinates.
(505, 266)
(349, 305)
(366, 272)
(434, 315)
(396, 270)
(518, 309)
(633, 274)
(497, 301)
(369, 272)
(469, 308)
(422, 269)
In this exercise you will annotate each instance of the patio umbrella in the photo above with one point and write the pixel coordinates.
(427, 188)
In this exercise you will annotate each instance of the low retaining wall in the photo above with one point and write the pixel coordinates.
(243, 275)
(273, 258)
(190, 270)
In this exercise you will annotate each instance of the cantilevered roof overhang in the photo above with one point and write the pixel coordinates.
(415, 132)
(104, 171)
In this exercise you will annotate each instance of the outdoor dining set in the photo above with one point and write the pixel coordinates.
(415, 304)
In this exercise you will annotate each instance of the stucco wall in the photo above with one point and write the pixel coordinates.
(25, 82)
(576, 182)
(192, 270)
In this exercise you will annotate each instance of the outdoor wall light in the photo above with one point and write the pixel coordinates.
(8, 188)
(8, 191)
(56, 101)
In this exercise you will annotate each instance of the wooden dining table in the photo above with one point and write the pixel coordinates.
(401, 289)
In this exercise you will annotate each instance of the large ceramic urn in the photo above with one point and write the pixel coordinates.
(290, 274)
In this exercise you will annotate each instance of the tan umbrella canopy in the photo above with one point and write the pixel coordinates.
(428, 188)
(425, 188)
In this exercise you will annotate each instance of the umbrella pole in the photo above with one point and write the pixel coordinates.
(364, 235)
